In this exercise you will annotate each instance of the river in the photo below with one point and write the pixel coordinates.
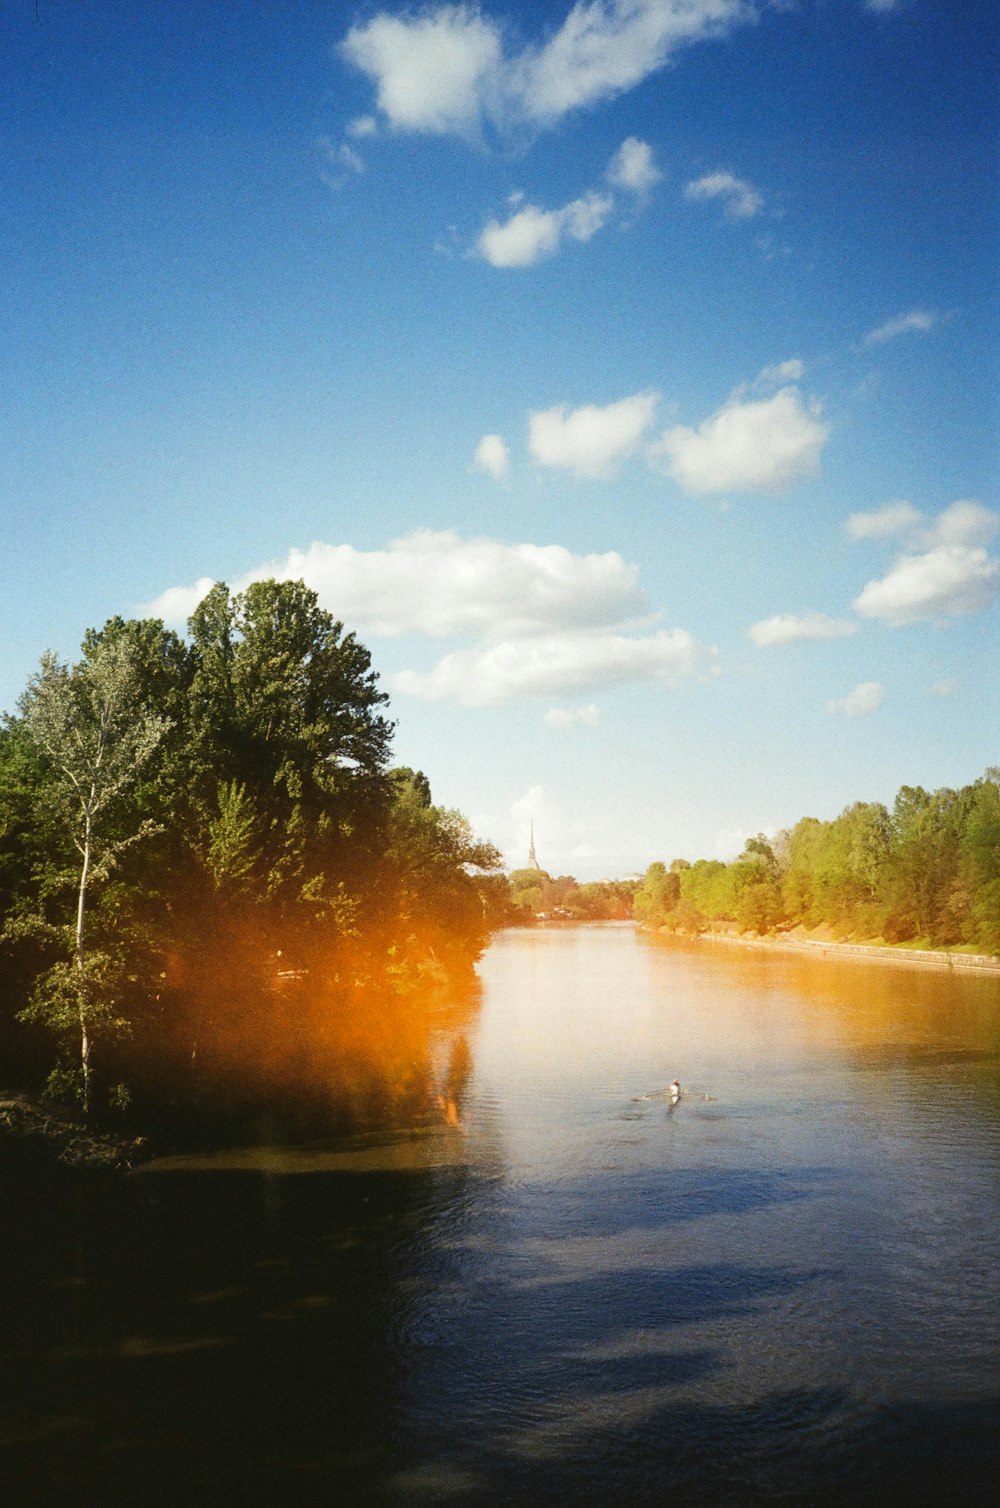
(566, 1289)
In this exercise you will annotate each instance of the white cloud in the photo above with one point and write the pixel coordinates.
(764, 445)
(556, 664)
(492, 456)
(633, 167)
(883, 523)
(945, 572)
(917, 319)
(742, 201)
(532, 233)
(564, 718)
(948, 581)
(177, 603)
(543, 622)
(445, 68)
(785, 628)
(438, 583)
(433, 70)
(882, 7)
(965, 522)
(946, 687)
(867, 697)
(527, 237)
(585, 216)
(590, 441)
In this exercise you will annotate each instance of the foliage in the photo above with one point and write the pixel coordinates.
(926, 873)
(442, 876)
(535, 893)
(205, 860)
(94, 736)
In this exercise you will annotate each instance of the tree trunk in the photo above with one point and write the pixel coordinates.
(82, 998)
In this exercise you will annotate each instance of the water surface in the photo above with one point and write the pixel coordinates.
(566, 1290)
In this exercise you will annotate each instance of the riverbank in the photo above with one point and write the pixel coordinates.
(38, 1135)
(822, 944)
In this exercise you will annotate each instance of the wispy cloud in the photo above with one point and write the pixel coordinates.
(883, 523)
(918, 319)
(342, 159)
(590, 441)
(740, 199)
(447, 69)
(864, 699)
(786, 628)
(764, 445)
(362, 127)
(792, 370)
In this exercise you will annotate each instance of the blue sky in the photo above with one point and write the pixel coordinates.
(624, 374)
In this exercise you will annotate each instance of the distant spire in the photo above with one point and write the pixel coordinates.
(532, 856)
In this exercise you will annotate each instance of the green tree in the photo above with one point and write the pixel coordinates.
(96, 737)
(286, 710)
(443, 879)
(924, 865)
(756, 886)
(800, 889)
(980, 861)
(657, 895)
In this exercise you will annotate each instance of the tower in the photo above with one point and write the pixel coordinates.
(532, 856)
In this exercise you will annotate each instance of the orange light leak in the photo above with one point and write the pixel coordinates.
(334, 1031)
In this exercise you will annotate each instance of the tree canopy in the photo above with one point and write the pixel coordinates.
(206, 858)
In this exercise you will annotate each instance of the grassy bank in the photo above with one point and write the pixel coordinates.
(822, 941)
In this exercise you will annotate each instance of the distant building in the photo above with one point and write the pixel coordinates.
(532, 856)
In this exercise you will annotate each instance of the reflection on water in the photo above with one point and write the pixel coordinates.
(559, 1288)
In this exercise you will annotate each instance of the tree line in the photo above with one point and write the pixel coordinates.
(926, 873)
(209, 870)
(534, 893)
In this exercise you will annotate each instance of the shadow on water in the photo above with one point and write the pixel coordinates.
(223, 1338)
(400, 1338)
(601, 1206)
(790, 1448)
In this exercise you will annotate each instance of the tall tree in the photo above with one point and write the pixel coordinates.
(96, 737)
(286, 708)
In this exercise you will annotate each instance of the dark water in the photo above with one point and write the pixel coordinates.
(781, 1290)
